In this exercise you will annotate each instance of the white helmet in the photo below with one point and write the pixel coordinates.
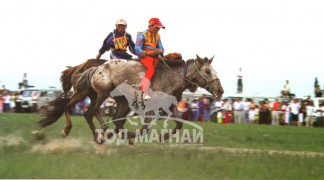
(121, 21)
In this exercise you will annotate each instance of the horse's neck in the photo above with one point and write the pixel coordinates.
(171, 76)
(191, 69)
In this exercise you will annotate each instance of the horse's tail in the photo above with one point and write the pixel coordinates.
(84, 81)
(66, 78)
(55, 110)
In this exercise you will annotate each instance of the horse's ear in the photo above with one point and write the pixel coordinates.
(199, 59)
(211, 59)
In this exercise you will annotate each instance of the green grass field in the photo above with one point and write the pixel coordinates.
(229, 152)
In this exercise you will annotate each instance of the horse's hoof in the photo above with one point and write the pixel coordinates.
(99, 139)
(110, 135)
(130, 143)
(99, 142)
(63, 133)
(104, 127)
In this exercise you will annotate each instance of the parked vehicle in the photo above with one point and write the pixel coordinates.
(34, 100)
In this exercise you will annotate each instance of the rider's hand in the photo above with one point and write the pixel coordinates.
(152, 53)
(159, 51)
(98, 56)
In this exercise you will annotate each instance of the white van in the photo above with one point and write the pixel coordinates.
(43, 97)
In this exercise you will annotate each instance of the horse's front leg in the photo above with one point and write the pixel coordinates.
(178, 127)
(119, 119)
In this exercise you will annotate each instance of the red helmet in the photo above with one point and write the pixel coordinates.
(156, 22)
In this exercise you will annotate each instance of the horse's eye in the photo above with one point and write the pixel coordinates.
(208, 71)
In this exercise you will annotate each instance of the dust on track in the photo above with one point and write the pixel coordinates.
(62, 145)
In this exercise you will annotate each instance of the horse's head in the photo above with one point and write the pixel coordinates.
(204, 75)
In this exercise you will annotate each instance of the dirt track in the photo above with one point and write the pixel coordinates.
(57, 145)
(270, 152)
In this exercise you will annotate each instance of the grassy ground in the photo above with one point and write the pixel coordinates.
(77, 156)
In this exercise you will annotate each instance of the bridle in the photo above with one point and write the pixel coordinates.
(207, 81)
(185, 73)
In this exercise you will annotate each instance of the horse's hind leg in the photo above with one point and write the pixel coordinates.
(76, 97)
(96, 110)
(119, 119)
(68, 125)
(89, 114)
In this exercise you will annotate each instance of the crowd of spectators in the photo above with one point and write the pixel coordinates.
(296, 112)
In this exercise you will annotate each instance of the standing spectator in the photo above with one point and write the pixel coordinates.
(256, 114)
(309, 113)
(216, 107)
(238, 110)
(201, 107)
(1, 102)
(286, 110)
(25, 81)
(194, 110)
(240, 81)
(318, 92)
(187, 114)
(268, 114)
(12, 102)
(319, 117)
(262, 113)
(6, 102)
(252, 111)
(207, 103)
(18, 100)
(302, 113)
(275, 110)
(227, 107)
(294, 112)
(34, 101)
(246, 108)
(315, 83)
(181, 108)
(220, 116)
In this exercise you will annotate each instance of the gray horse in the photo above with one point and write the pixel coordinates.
(170, 77)
(140, 106)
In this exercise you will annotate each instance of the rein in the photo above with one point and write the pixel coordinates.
(185, 73)
(208, 81)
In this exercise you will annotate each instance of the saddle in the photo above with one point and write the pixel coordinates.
(171, 59)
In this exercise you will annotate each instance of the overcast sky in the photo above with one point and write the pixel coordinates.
(271, 40)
